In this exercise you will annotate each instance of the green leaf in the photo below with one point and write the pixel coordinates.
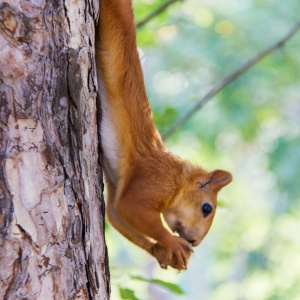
(168, 285)
(127, 294)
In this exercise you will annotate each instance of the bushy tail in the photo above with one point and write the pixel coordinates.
(121, 74)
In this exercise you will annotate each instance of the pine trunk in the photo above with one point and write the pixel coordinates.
(52, 212)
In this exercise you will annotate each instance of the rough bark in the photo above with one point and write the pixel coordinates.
(52, 241)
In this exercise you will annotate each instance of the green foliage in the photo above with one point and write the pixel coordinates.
(127, 294)
(170, 286)
(252, 128)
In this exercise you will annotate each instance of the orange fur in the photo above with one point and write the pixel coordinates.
(143, 179)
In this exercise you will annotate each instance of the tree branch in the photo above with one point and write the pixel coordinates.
(230, 78)
(155, 13)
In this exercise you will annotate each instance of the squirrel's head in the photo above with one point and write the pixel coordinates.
(192, 211)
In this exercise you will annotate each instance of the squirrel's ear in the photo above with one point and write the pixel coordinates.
(219, 179)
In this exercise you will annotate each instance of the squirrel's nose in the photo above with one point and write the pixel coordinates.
(192, 241)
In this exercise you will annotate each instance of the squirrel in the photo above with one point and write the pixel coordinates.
(144, 180)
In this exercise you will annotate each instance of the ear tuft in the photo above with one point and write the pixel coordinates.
(220, 178)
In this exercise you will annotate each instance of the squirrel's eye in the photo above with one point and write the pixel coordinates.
(206, 209)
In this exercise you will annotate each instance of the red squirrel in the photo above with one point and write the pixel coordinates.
(144, 180)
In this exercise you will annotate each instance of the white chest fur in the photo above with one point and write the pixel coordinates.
(109, 141)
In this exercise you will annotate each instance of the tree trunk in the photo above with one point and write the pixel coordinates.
(52, 230)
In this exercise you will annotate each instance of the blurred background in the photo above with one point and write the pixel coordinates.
(251, 128)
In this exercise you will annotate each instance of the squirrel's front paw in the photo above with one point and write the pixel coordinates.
(175, 253)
